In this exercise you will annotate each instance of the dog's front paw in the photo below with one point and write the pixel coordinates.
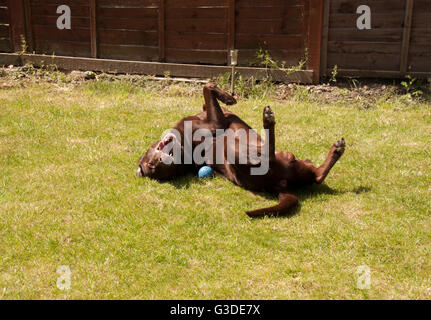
(268, 117)
(340, 146)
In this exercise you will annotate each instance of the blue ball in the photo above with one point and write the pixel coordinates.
(205, 172)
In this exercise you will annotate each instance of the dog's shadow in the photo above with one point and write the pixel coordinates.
(184, 181)
(303, 193)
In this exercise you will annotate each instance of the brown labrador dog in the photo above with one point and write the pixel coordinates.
(284, 173)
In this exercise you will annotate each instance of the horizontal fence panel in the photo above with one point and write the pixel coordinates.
(292, 26)
(195, 13)
(421, 35)
(268, 41)
(198, 41)
(128, 3)
(51, 10)
(194, 3)
(128, 52)
(287, 57)
(196, 25)
(196, 31)
(377, 6)
(273, 25)
(375, 61)
(59, 2)
(76, 34)
(378, 20)
(51, 21)
(4, 15)
(127, 30)
(421, 19)
(5, 43)
(260, 13)
(4, 31)
(363, 47)
(63, 48)
(376, 49)
(148, 24)
(48, 39)
(268, 3)
(420, 62)
(127, 12)
(135, 37)
(373, 35)
(196, 56)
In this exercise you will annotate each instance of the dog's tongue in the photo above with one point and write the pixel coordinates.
(161, 145)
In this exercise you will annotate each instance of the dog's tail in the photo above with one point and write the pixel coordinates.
(287, 203)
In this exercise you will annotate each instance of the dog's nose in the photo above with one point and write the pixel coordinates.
(139, 172)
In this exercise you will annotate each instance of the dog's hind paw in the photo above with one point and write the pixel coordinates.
(340, 146)
(268, 117)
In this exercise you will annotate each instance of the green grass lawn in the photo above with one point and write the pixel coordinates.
(68, 196)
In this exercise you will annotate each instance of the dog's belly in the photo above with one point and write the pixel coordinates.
(276, 178)
(241, 176)
(241, 152)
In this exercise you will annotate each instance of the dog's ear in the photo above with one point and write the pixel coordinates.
(140, 160)
(140, 172)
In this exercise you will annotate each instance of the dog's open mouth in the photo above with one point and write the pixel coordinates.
(163, 145)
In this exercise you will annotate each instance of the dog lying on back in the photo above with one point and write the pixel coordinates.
(283, 171)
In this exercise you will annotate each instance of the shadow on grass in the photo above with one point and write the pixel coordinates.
(185, 181)
(316, 189)
(361, 189)
(303, 193)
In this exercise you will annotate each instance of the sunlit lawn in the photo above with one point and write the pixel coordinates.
(68, 196)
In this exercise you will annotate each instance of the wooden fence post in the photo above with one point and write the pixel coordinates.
(93, 28)
(161, 31)
(315, 37)
(17, 23)
(406, 37)
(28, 26)
(325, 33)
(231, 28)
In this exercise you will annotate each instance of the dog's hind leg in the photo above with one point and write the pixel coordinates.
(287, 203)
(219, 94)
(334, 154)
(215, 115)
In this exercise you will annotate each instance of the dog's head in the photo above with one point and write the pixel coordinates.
(158, 161)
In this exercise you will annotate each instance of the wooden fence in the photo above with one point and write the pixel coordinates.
(5, 41)
(398, 42)
(191, 32)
